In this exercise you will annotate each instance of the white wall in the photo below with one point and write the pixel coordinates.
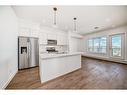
(122, 29)
(8, 45)
(75, 42)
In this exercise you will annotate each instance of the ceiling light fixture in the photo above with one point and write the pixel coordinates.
(54, 22)
(96, 27)
(75, 24)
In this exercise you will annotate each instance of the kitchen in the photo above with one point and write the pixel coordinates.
(49, 49)
(51, 45)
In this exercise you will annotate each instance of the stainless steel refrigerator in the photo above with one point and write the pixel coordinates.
(28, 52)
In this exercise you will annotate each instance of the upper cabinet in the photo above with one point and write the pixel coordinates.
(28, 29)
(62, 39)
(34, 33)
(27, 32)
(52, 36)
(24, 31)
(42, 38)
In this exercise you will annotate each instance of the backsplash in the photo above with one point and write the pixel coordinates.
(58, 48)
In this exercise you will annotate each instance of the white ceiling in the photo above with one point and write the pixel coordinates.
(88, 17)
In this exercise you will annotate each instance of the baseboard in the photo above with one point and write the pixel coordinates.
(107, 59)
(9, 80)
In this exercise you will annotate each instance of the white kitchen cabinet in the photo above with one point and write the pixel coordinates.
(27, 32)
(28, 29)
(24, 32)
(56, 65)
(52, 36)
(42, 38)
(65, 38)
(34, 33)
(61, 40)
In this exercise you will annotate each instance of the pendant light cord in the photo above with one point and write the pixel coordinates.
(54, 17)
(55, 9)
(75, 27)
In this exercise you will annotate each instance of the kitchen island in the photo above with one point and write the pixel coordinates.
(52, 66)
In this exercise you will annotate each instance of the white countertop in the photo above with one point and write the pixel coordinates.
(47, 56)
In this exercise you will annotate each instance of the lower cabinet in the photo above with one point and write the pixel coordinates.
(51, 68)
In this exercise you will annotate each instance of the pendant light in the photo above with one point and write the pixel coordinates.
(54, 21)
(75, 24)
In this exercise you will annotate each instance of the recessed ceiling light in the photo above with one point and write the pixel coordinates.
(113, 26)
(96, 27)
(108, 20)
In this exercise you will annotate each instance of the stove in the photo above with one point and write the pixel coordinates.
(51, 50)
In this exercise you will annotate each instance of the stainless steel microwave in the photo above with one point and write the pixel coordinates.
(51, 42)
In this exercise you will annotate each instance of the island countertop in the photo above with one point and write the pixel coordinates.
(47, 56)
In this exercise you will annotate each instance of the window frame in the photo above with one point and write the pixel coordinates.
(122, 46)
(93, 45)
(88, 45)
(106, 47)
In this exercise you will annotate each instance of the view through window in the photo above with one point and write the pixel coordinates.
(116, 45)
(97, 45)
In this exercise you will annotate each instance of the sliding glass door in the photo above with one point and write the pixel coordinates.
(117, 46)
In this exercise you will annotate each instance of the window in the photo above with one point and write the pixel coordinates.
(90, 45)
(116, 45)
(103, 44)
(97, 45)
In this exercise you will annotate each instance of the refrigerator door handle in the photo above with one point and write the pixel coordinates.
(29, 48)
(28, 44)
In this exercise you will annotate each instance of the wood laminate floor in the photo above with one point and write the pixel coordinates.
(94, 74)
